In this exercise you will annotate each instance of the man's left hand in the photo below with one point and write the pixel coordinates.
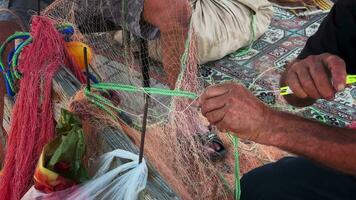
(231, 107)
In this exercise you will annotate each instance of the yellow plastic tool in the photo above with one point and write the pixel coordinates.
(350, 79)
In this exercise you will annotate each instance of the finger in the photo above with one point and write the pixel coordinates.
(295, 86)
(213, 104)
(216, 90)
(337, 68)
(322, 81)
(211, 92)
(216, 116)
(307, 83)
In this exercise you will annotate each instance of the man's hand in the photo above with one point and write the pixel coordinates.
(231, 107)
(316, 77)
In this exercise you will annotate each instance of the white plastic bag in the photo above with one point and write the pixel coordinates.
(124, 182)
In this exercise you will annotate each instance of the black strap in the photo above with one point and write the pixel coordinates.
(146, 83)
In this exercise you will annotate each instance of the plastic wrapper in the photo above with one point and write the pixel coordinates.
(124, 182)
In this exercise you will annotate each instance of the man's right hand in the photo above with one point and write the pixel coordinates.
(315, 77)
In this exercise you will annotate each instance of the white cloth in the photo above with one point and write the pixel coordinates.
(223, 26)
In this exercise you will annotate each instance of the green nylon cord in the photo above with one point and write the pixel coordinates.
(225, 183)
(245, 50)
(13, 72)
(96, 101)
(16, 56)
(103, 103)
(2, 50)
(150, 90)
(185, 56)
(235, 142)
(237, 170)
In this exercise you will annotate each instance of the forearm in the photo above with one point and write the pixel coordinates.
(331, 146)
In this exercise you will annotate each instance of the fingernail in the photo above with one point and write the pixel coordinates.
(340, 87)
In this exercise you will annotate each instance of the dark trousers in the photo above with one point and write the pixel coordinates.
(297, 179)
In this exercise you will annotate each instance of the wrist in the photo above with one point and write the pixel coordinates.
(266, 134)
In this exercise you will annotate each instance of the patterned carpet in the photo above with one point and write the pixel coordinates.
(282, 42)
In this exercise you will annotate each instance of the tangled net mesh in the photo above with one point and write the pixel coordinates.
(172, 121)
